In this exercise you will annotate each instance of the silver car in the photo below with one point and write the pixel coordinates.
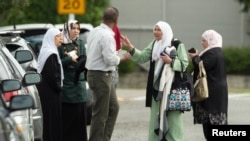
(11, 69)
(14, 43)
(9, 129)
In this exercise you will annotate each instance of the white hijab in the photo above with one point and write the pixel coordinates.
(159, 46)
(66, 31)
(213, 38)
(48, 48)
(167, 36)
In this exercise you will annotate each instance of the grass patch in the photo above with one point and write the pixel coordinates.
(239, 91)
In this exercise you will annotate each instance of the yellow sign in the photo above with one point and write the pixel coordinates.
(71, 6)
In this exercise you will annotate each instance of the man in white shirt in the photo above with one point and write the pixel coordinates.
(101, 61)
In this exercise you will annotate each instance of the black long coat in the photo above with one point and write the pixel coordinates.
(50, 96)
(213, 110)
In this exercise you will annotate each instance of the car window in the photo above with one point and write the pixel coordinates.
(12, 69)
(13, 47)
(21, 44)
(4, 69)
(1, 103)
(35, 42)
(6, 72)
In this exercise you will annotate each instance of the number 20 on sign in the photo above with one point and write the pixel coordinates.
(71, 6)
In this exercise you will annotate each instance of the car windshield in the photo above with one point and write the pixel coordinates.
(35, 42)
(34, 39)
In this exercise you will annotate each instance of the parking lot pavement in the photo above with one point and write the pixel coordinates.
(139, 94)
(133, 118)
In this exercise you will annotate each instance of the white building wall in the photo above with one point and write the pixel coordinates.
(188, 19)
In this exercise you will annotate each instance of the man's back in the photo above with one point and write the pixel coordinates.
(101, 49)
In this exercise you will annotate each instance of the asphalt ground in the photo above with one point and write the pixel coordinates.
(133, 118)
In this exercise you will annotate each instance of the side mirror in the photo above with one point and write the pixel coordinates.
(8, 85)
(21, 102)
(23, 56)
(31, 78)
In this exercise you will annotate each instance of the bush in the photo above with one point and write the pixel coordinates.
(126, 67)
(237, 60)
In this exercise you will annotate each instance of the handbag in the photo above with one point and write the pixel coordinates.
(200, 85)
(181, 90)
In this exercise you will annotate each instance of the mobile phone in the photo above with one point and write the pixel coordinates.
(191, 50)
(163, 53)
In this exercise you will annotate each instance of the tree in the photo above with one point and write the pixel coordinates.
(246, 5)
(12, 10)
(45, 11)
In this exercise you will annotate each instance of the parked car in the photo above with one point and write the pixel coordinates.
(33, 33)
(11, 69)
(9, 129)
(15, 44)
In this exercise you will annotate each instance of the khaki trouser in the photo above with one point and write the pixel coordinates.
(105, 105)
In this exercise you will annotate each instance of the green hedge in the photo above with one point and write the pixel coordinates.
(126, 67)
(237, 59)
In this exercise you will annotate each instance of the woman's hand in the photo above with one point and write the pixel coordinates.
(73, 55)
(166, 59)
(126, 42)
(125, 57)
(193, 54)
(74, 58)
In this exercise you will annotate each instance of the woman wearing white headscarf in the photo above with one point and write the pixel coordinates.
(212, 111)
(74, 93)
(50, 67)
(162, 126)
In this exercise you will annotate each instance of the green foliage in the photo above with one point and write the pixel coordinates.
(45, 11)
(246, 5)
(127, 67)
(12, 10)
(237, 60)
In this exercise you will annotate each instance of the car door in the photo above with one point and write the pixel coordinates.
(10, 69)
(9, 129)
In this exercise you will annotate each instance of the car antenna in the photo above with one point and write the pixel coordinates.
(14, 25)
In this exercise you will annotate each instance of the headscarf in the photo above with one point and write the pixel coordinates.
(213, 38)
(167, 35)
(66, 31)
(48, 48)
